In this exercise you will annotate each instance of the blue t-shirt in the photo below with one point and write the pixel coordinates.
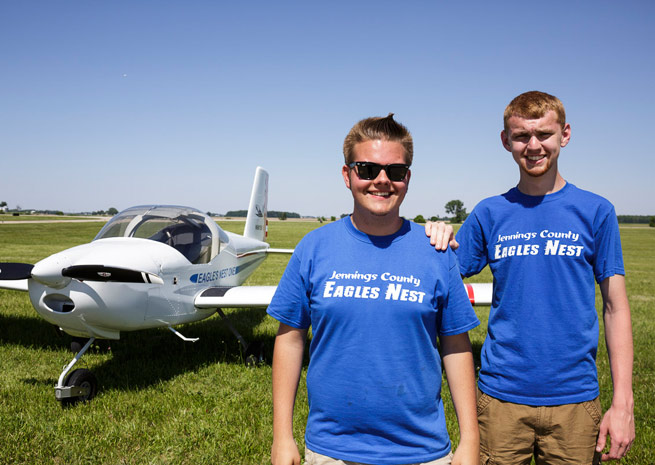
(376, 305)
(544, 253)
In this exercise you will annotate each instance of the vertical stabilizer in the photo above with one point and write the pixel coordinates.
(256, 222)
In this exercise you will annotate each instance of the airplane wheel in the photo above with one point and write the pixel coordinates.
(254, 355)
(81, 378)
(77, 343)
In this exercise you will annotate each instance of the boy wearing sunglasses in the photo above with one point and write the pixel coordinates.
(379, 299)
(545, 242)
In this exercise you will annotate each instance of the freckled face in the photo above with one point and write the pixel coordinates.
(377, 197)
(535, 143)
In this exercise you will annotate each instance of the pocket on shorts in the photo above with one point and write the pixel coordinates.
(310, 457)
(593, 409)
(485, 457)
(483, 401)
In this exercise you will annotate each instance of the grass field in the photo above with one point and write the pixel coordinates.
(164, 401)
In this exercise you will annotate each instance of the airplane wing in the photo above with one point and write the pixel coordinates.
(260, 296)
(234, 297)
(14, 285)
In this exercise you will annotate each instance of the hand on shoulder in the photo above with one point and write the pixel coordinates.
(441, 235)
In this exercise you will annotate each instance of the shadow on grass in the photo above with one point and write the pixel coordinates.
(141, 359)
(30, 332)
(144, 358)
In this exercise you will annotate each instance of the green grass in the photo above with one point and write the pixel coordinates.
(164, 401)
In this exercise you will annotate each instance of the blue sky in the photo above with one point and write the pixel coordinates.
(119, 103)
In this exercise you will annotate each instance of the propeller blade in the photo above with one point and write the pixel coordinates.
(110, 274)
(13, 271)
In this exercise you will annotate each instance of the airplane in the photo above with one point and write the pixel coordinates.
(153, 266)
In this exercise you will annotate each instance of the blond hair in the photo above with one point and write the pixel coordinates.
(378, 128)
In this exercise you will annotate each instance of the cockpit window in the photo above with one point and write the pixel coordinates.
(189, 231)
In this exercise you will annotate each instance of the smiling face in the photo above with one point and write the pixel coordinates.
(535, 145)
(377, 201)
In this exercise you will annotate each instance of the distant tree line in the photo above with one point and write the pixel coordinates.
(642, 219)
(18, 210)
(270, 214)
(456, 208)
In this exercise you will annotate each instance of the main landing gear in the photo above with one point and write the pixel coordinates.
(78, 386)
(253, 353)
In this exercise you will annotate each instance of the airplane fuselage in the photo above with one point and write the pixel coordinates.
(104, 309)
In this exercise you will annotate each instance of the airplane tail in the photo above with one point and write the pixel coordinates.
(256, 221)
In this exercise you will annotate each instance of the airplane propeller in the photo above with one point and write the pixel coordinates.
(110, 274)
(15, 271)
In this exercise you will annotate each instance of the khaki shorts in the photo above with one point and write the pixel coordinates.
(554, 435)
(313, 458)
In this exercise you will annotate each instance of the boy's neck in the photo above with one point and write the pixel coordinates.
(542, 185)
(376, 225)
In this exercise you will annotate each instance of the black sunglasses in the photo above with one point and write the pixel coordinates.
(367, 170)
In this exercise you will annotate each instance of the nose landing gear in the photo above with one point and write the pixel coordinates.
(78, 386)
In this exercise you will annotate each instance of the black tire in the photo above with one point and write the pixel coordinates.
(77, 343)
(82, 378)
(254, 355)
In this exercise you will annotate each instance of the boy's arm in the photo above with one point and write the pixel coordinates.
(458, 363)
(287, 364)
(618, 421)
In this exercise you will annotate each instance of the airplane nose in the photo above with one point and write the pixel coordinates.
(48, 272)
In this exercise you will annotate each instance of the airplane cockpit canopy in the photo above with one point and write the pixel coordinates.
(189, 231)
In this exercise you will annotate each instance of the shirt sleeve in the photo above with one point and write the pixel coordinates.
(472, 251)
(607, 241)
(457, 315)
(290, 304)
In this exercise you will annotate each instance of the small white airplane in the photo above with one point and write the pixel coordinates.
(148, 267)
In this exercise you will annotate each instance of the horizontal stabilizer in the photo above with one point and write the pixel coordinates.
(10, 271)
(240, 296)
(287, 251)
(110, 274)
(479, 293)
